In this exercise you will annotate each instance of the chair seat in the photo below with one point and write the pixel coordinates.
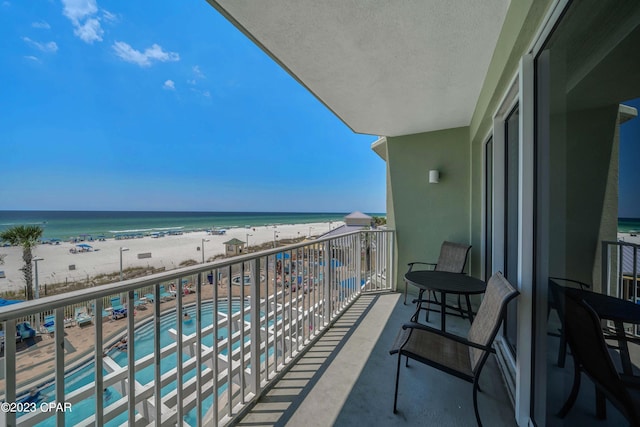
(434, 348)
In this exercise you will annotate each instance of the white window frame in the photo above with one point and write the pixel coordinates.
(517, 370)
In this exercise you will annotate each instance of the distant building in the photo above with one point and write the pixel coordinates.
(353, 222)
(234, 247)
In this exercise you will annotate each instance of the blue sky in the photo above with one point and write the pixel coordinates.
(629, 202)
(164, 105)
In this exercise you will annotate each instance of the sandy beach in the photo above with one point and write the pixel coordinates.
(168, 252)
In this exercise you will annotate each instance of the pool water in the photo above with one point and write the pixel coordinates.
(144, 346)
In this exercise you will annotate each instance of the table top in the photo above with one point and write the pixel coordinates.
(442, 281)
(608, 307)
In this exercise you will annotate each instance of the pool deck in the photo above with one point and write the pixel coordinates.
(35, 361)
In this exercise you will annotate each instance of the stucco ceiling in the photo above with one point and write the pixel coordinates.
(386, 67)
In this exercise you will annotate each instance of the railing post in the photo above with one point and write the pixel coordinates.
(327, 287)
(359, 260)
(179, 352)
(199, 346)
(131, 360)
(214, 363)
(59, 360)
(99, 389)
(157, 384)
(635, 275)
(255, 327)
(10, 368)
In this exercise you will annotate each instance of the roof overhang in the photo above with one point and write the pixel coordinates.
(383, 67)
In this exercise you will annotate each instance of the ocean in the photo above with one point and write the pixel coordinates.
(69, 224)
(628, 224)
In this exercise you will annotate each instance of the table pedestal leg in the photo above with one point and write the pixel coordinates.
(469, 310)
(624, 350)
(443, 310)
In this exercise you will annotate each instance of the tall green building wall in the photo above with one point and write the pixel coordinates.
(427, 214)
(521, 23)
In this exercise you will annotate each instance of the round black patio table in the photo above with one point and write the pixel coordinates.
(619, 311)
(444, 283)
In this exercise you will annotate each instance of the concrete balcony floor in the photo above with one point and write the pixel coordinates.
(347, 378)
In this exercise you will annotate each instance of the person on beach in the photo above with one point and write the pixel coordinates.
(120, 345)
(186, 317)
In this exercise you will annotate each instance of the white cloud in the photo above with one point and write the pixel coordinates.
(169, 84)
(49, 47)
(41, 24)
(144, 59)
(108, 16)
(32, 58)
(82, 13)
(76, 10)
(90, 31)
(198, 73)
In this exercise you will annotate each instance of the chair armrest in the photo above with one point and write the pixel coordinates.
(421, 300)
(462, 340)
(411, 264)
(579, 283)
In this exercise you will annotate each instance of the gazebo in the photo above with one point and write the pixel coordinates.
(234, 247)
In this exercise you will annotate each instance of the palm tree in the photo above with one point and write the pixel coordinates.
(26, 236)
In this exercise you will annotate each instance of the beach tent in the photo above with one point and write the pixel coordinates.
(5, 302)
(286, 255)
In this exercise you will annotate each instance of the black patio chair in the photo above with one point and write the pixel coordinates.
(591, 356)
(452, 259)
(555, 302)
(453, 354)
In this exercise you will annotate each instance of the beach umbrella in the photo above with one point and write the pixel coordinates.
(286, 255)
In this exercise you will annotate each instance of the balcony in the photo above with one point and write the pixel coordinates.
(199, 354)
(347, 378)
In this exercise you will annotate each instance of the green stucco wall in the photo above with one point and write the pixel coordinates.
(424, 215)
(521, 24)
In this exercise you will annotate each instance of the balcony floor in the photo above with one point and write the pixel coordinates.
(347, 378)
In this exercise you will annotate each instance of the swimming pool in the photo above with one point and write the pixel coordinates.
(144, 346)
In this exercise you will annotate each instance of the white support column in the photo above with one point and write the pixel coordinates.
(525, 339)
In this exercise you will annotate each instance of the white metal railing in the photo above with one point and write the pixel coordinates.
(251, 316)
(620, 265)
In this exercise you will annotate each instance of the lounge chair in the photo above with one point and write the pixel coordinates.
(150, 297)
(116, 304)
(452, 259)
(104, 315)
(82, 317)
(137, 302)
(165, 295)
(119, 313)
(453, 354)
(48, 326)
(25, 330)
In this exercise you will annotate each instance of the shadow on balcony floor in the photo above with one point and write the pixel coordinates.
(347, 378)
